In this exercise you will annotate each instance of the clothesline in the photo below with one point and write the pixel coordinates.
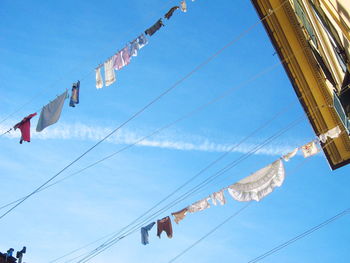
(254, 187)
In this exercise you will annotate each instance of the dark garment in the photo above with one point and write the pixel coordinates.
(154, 28)
(171, 12)
(165, 225)
(74, 98)
(24, 127)
(144, 233)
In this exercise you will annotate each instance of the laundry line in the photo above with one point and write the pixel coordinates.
(123, 235)
(108, 244)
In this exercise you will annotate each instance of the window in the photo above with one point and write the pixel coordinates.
(305, 22)
(323, 66)
(332, 36)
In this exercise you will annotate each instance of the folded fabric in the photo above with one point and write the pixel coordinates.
(199, 206)
(24, 127)
(99, 81)
(310, 149)
(183, 6)
(150, 31)
(51, 113)
(134, 48)
(164, 225)
(332, 133)
(179, 215)
(109, 72)
(260, 184)
(144, 233)
(290, 155)
(74, 98)
(171, 12)
(218, 196)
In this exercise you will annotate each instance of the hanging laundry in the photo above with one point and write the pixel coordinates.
(199, 206)
(99, 81)
(134, 48)
(126, 56)
(51, 113)
(144, 233)
(118, 62)
(164, 225)
(218, 196)
(74, 98)
(260, 184)
(332, 133)
(142, 40)
(179, 215)
(154, 28)
(171, 12)
(109, 72)
(310, 149)
(290, 155)
(24, 127)
(183, 6)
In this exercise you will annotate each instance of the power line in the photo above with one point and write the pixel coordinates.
(43, 90)
(195, 176)
(144, 108)
(302, 235)
(276, 248)
(185, 116)
(116, 239)
(211, 232)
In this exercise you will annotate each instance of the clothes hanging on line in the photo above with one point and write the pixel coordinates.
(99, 81)
(118, 61)
(126, 56)
(260, 184)
(164, 225)
(144, 233)
(137, 44)
(24, 127)
(150, 31)
(218, 196)
(290, 155)
(171, 12)
(310, 149)
(179, 215)
(109, 72)
(332, 133)
(183, 6)
(74, 98)
(199, 205)
(51, 113)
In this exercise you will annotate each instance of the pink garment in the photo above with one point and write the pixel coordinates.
(118, 61)
(126, 55)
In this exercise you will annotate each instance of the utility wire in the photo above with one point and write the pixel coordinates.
(280, 246)
(211, 231)
(43, 90)
(112, 241)
(302, 235)
(108, 244)
(144, 108)
(196, 175)
(185, 116)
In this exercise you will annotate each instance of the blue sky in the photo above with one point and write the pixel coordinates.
(46, 46)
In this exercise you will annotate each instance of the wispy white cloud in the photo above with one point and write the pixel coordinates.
(80, 131)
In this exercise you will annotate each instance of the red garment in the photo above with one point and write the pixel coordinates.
(165, 225)
(24, 126)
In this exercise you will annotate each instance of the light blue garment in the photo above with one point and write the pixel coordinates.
(51, 112)
(144, 233)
